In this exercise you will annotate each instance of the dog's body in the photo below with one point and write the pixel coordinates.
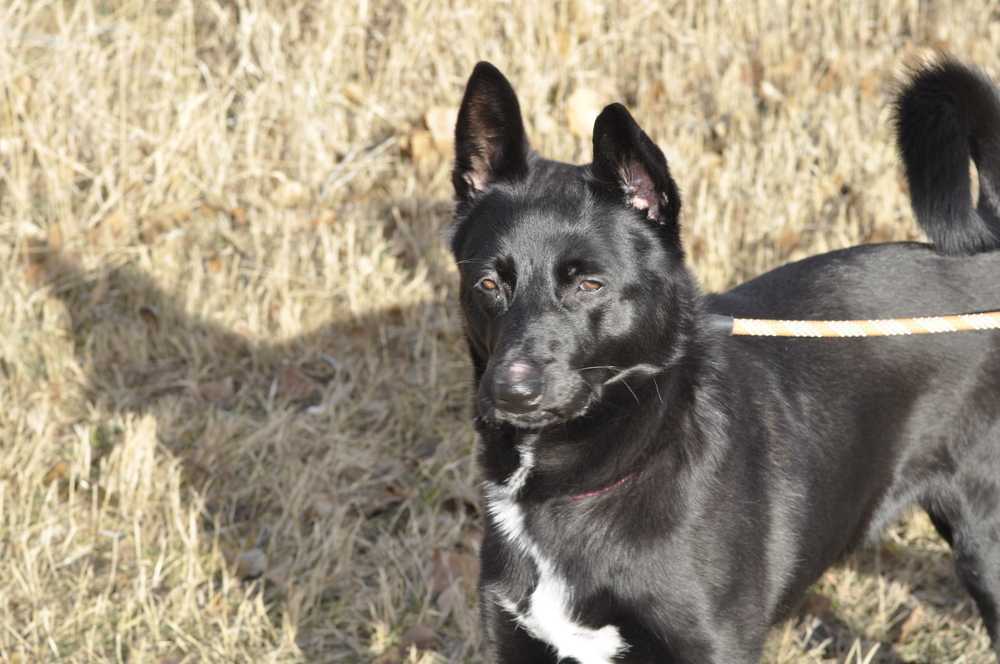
(659, 491)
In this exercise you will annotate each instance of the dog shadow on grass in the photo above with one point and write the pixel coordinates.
(901, 633)
(248, 420)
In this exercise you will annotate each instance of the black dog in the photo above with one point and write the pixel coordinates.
(660, 491)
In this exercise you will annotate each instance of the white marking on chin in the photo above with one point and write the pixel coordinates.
(548, 616)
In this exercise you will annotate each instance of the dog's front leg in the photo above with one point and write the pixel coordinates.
(506, 641)
(504, 576)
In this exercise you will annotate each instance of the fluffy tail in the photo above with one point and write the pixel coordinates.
(945, 115)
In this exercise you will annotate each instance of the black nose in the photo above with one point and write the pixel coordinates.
(517, 387)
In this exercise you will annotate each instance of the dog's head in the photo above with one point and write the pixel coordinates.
(572, 277)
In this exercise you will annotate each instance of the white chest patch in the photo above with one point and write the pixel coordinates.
(548, 616)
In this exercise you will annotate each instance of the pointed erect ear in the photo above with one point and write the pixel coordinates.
(490, 143)
(627, 163)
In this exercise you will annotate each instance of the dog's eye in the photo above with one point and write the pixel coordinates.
(590, 285)
(487, 284)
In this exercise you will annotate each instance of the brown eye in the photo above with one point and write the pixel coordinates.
(591, 285)
(487, 284)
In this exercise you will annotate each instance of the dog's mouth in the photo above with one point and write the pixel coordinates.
(535, 420)
(544, 415)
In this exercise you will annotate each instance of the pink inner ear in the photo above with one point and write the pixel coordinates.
(476, 180)
(639, 190)
(477, 177)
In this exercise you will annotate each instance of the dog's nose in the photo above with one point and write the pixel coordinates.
(518, 387)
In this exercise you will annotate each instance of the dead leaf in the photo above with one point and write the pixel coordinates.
(941, 45)
(150, 318)
(452, 600)
(882, 233)
(449, 566)
(440, 121)
(115, 222)
(871, 84)
(420, 635)
(789, 239)
(698, 246)
(24, 85)
(753, 73)
(564, 41)
(912, 623)
(289, 194)
(217, 391)
(657, 91)
(239, 216)
(385, 498)
(394, 656)
(582, 108)
(214, 265)
(280, 575)
(420, 147)
(461, 504)
(832, 79)
(321, 507)
(55, 241)
(58, 471)
(327, 219)
(354, 93)
(293, 385)
(819, 606)
(58, 474)
(770, 92)
(472, 536)
(426, 448)
(36, 270)
(251, 564)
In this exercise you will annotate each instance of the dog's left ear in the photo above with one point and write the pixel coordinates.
(628, 164)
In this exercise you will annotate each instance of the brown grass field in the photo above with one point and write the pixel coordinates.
(235, 420)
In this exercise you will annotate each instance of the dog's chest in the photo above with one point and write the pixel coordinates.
(547, 611)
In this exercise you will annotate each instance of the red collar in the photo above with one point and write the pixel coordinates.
(603, 490)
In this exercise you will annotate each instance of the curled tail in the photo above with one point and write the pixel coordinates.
(947, 114)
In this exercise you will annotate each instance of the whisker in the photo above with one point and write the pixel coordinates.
(634, 395)
(646, 368)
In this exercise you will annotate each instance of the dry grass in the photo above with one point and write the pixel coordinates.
(237, 353)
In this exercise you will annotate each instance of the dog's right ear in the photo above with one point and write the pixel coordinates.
(490, 143)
